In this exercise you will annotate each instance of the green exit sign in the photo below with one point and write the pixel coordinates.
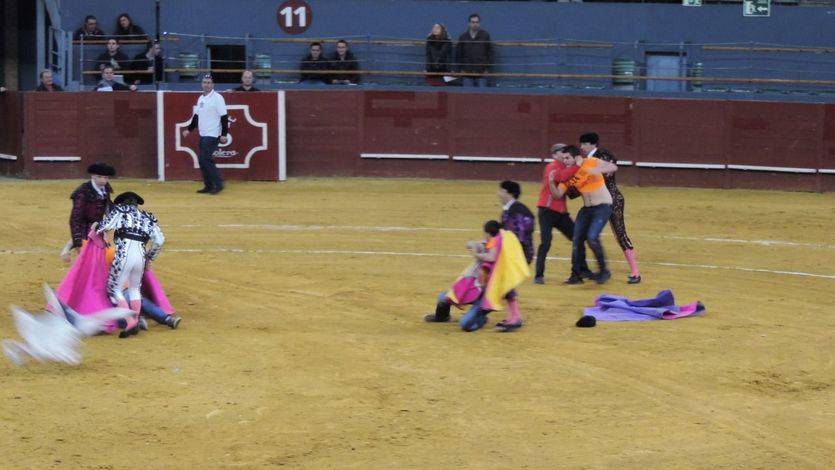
(756, 8)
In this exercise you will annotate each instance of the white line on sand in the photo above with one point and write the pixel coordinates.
(437, 255)
(371, 228)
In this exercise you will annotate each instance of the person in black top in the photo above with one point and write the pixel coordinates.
(126, 30)
(474, 53)
(438, 54)
(89, 30)
(246, 82)
(107, 82)
(343, 61)
(46, 82)
(151, 61)
(113, 57)
(315, 62)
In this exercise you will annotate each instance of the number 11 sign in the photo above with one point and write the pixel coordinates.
(294, 16)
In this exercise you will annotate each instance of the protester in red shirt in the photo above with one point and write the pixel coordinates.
(553, 212)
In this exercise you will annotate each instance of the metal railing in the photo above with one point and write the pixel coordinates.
(543, 63)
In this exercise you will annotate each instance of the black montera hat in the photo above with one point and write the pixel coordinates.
(101, 169)
(129, 197)
(586, 321)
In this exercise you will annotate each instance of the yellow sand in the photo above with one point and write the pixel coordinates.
(303, 344)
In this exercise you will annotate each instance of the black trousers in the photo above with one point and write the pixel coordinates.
(211, 176)
(549, 220)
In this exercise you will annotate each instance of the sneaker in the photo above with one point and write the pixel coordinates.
(204, 190)
(602, 276)
(573, 280)
(143, 325)
(539, 280)
(503, 327)
(432, 318)
(586, 274)
(173, 322)
(634, 279)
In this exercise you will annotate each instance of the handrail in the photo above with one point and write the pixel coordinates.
(816, 50)
(421, 42)
(784, 81)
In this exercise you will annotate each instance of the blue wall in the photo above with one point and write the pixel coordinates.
(624, 24)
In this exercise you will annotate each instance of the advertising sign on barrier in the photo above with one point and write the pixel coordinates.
(255, 146)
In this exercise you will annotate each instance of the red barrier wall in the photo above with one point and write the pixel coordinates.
(345, 131)
(118, 128)
(11, 128)
(252, 150)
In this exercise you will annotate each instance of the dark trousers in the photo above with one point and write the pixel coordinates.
(590, 222)
(211, 176)
(549, 220)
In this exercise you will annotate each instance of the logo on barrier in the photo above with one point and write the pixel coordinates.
(246, 137)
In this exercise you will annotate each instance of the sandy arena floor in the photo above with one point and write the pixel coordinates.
(303, 344)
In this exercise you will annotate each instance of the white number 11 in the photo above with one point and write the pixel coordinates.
(288, 13)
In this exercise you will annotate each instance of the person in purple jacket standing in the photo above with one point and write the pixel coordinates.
(516, 217)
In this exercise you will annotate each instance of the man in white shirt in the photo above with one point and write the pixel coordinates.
(212, 122)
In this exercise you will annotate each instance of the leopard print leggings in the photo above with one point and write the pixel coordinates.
(617, 222)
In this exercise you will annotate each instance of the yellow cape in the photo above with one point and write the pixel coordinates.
(511, 269)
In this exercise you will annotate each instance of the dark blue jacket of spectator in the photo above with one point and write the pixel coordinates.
(345, 66)
(474, 55)
(320, 64)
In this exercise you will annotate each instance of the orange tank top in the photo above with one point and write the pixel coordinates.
(585, 182)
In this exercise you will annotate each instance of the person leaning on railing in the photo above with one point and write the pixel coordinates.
(108, 83)
(246, 82)
(438, 54)
(47, 83)
(149, 61)
(314, 62)
(343, 63)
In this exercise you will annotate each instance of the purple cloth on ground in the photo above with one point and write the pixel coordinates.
(661, 307)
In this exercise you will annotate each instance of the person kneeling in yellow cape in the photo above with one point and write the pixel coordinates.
(503, 267)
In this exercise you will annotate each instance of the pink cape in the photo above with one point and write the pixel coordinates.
(84, 288)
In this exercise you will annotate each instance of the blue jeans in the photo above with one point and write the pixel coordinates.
(153, 311)
(475, 81)
(587, 227)
(211, 176)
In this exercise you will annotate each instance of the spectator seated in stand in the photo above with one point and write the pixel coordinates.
(343, 63)
(246, 82)
(438, 54)
(47, 83)
(314, 62)
(149, 61)
(113, 57)
(90, 30)
(108, 82)
(127, 31)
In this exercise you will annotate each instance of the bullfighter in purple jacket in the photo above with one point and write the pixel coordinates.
(90, 201)
(516, 217)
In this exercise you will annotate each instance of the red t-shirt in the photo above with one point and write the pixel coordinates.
(546, 199)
